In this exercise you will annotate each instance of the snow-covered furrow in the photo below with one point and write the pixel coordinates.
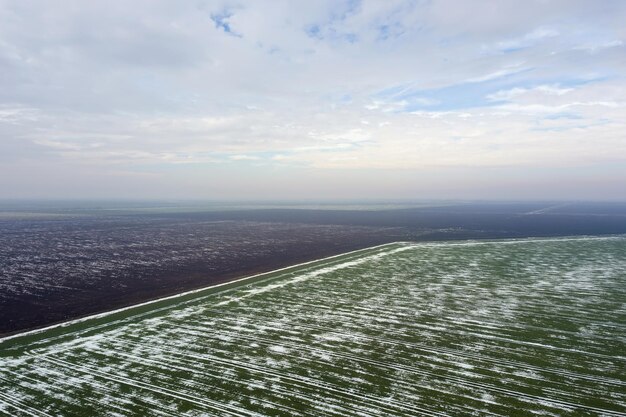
(437, 375)
(62, 382)
(348, 393)
(406, 389)
(206, 404)
(21, 406)
(243, 365)
(349, 315)
(162, 365)
(353, 334)
(191, 366)
(393, 313)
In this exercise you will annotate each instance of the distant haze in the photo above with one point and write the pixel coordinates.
(313, 99)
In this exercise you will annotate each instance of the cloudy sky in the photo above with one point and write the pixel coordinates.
(313, 99)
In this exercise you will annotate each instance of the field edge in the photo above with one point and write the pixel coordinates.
(15, 343)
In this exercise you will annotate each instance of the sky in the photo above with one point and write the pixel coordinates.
(315, 99)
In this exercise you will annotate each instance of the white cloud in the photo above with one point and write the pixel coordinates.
(528, 39)
(543, 108)
(146, 84)
(244, 158)
(506, 95)
(504, 72)
(593, 47)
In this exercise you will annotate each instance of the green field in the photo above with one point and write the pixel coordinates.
(513, 328)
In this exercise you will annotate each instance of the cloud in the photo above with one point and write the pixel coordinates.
(164, 86)
(244, 158)
(543, 108)
(507, 95)
(500, 73)
(529, 39)
(598, 46)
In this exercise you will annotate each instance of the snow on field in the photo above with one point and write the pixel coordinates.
(526, 327)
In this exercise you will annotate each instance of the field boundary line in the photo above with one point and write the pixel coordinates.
(235, 282)
(186, 293)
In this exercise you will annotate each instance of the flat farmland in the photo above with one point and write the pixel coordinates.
(54, 270)
(510, 327)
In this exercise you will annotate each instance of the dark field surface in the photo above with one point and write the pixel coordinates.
(62, 262)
